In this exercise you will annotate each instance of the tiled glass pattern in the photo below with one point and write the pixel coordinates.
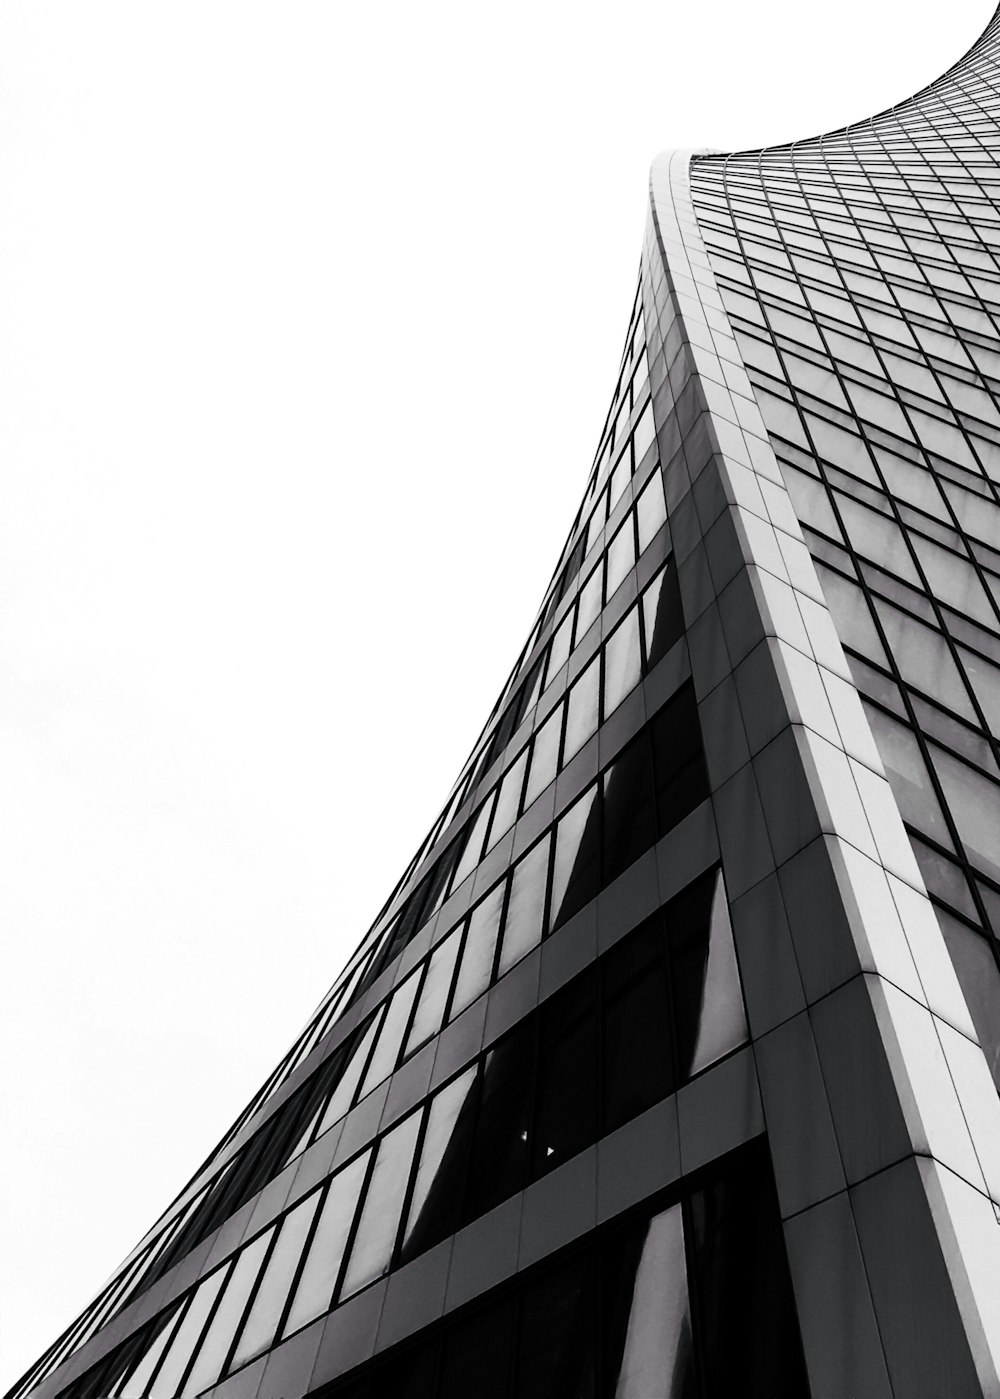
(660, 1006)
(495, 1026)
(633, 1313)
(669, 906)
(861, 275)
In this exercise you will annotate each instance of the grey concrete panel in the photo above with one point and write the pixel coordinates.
(484, 1253)
(719, 1111)
(415, 1296)
(348, 1336)
(805, 1151)
(836, 1313)
(290, 1366)
(559, 1208)
(926, 1349)
(638, 1159)
(769, 972)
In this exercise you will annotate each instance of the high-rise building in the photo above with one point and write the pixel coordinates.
(668, 1068)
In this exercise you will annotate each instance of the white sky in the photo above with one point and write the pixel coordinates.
(309, 316)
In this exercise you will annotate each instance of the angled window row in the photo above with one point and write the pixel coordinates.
(632, 537)
(642, 638)
(652, 784)
(661, 1005)
(636, 1312)
(628, 654)
(641, 525)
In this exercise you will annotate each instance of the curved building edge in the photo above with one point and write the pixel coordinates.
(866, 983)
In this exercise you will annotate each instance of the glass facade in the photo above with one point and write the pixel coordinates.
(668, 1069)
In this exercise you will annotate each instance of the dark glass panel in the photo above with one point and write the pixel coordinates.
(440, 1179)
(662, 615)
(500, 1142)
(557, 1351)
(746, 1315)
(647, 1348)
(566, 1096)
(679, 762)
(637, 1061)
(577, 868)
(477, 1355)
(407, 1376)
(688, 922)
(354, 1389)
(979, 976)
(629, 810)
(357, 1389)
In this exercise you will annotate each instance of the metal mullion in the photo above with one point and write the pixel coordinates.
(229, 1267)
(275, 1226)
(421, 972)
(698, 1330)
(352, 1233)
(507, 881)
(175, 1325)
(286, 1306)
(397, 1243)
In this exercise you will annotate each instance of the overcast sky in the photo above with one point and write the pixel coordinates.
(309, 316)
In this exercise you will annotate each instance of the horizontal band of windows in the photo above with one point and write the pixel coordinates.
(661, 1006)
(562, 872)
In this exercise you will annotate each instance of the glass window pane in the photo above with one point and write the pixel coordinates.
(979, 977)
(544, 756)
(629, 809)
(644, 434)
(849, 608)
(567, 1089)
(474, 843)
(974, 803)
(314, 1292)
(908, 776)
(590, 602)
(167, 1382)
(220, 1335)
(722, 1022)
(620, 477)
(678, 759)
(440, 1181)
(576, 869)
(621, 556)
(500, 1146)
(477, 1355)
(343, 1094)
(985, 679)
(637, 1056)
(522, 927)
(138, 1382)
(924, 659)
(409, 1375)
(581, 715)
(662, 616)
(215, 1347)
(741, 1278)
(509, 800)
(557, 1340)
(651, 511)
(689, 923)
(476, 967)
(648, 1348)
(261, 1324)
(560, 647)
(622, 662)
(373, 1243)
(390, 1036)
(434, 992)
